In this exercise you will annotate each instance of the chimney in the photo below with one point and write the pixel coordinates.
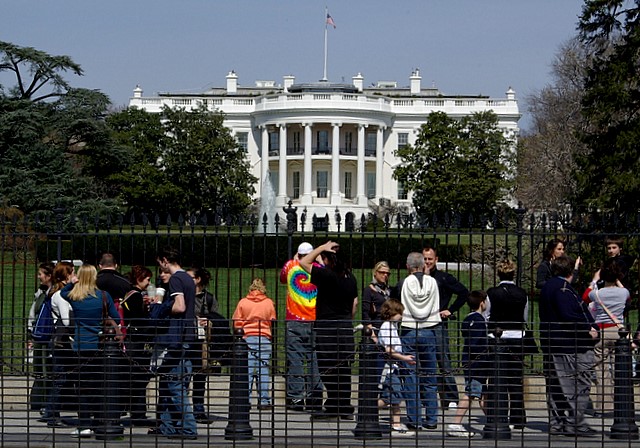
(415, 79)
(288, 82)
(358, 81)
(232, 82)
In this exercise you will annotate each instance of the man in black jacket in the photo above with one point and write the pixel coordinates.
(448, 286)
(567, 335)
(110, 280)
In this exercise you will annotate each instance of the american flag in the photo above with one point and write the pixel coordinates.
(330, 21)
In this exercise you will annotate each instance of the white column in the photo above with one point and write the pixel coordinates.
(379, 163)
(306, 189)
(336, 199)
(282, 167)
(361, 194)
(264, 157)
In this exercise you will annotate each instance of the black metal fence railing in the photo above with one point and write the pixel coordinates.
(119, 390)
(121, 394)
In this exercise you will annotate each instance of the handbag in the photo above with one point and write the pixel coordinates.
(109, 329)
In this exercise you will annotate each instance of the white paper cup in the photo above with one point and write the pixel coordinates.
(160, 294)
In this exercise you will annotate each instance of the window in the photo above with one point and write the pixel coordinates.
(323, 141)
(348, 181)
(296, 141)
(403, 139)
(243, 139)
(274, 143)
(371, 185)
(322, 183)
(402, 192)
(371, 144)
(348, 141)
(296, 184)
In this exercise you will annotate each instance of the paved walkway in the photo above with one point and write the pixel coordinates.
(278, 427)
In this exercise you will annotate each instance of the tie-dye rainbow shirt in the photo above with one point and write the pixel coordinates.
(301, 293)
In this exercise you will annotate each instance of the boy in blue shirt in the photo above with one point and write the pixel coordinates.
(475, 334)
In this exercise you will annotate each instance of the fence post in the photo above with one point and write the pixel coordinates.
(109, 427)
(238, 426)
(520, 212)
(497, 401)
(624, 425)
(292, 224)
(368, 426)
(59, 213)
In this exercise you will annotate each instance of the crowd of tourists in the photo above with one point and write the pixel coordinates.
(173, 330)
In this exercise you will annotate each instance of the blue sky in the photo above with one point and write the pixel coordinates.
(461, 46)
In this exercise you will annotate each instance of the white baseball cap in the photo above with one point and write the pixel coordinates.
(305, 248)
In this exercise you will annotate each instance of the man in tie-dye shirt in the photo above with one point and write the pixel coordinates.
(304, 389)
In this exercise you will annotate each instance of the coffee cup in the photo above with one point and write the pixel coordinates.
(160, 294)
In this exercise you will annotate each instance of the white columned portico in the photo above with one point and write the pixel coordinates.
(306, 185)
(336, 199)
(362, 197)
(282, 166)
(379, 162)
(264, 156)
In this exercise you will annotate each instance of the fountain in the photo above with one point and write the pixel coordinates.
(268, 206)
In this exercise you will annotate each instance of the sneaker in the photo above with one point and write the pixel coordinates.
(81, 433)
(453, 405)
(401, 430)
(458, 431)
(55, 423)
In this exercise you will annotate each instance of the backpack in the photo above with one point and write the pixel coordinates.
(44, 327)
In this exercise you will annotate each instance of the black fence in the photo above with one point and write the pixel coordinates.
(236, 250)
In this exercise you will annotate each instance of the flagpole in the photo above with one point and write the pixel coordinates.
(324, 73)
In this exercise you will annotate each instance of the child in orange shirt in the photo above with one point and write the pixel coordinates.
(254, 314)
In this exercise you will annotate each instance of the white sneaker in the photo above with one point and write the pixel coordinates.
(81, 433)
(453, 405)
(401, 430)
(458, 431)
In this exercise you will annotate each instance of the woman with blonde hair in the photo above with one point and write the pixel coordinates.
(90, 308)
(375, 295)
(254, 314)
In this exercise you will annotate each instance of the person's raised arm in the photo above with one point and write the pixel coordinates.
(306, 262)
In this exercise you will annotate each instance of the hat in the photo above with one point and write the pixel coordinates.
(305, 248)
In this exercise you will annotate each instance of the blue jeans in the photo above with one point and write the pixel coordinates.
(303, 376)
(174, 404)
(259, 358)
(446, 381)
(421, 383)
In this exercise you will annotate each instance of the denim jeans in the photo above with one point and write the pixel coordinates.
(174, 406)
(259, 358)
(446, 381)
(303, 376)
(421, 381)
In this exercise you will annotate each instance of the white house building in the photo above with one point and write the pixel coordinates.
(328, 146)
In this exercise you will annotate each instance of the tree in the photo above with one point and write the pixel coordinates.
(44, 144)
(546, 156)
(456, 165)
(44, 72)
(138, 139)
(179, 161)
(607, 178)
(205, 164)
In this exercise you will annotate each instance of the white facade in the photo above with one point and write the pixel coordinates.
(330, 146)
